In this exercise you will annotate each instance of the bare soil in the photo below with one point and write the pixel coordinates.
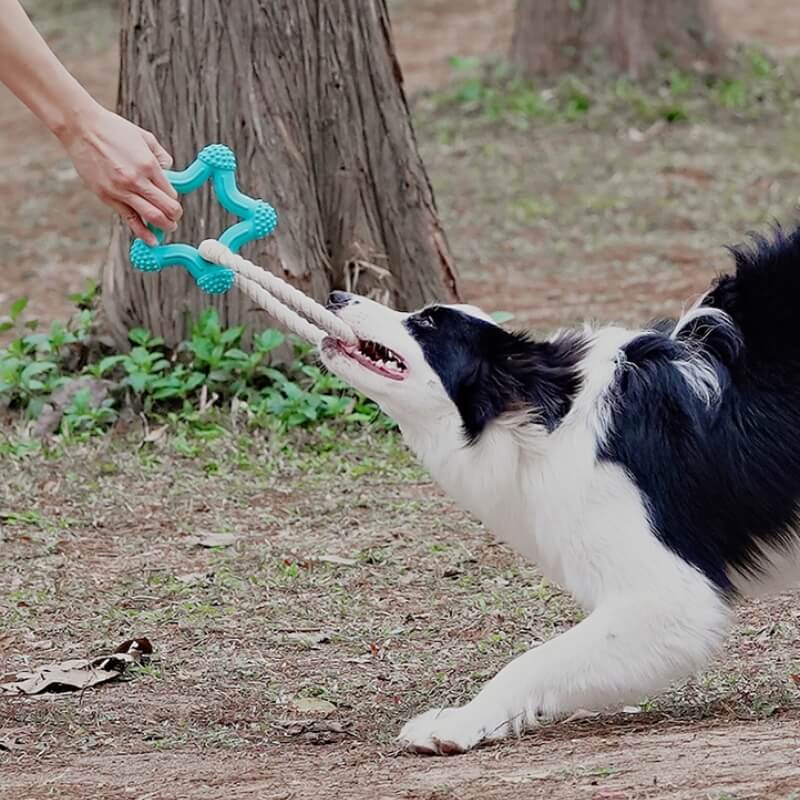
(555, 223)
(353, 581)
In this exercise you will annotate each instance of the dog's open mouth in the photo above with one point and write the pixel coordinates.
(375, 357)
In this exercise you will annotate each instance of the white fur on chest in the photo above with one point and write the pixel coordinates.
(583, 522)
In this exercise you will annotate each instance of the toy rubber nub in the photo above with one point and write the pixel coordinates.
(216, 281)
(257, 219)
(265, 219)
(143, 257)
(218, 156)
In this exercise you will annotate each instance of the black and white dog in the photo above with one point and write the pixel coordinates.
(654, 473)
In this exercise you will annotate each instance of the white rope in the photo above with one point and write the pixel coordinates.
(278, 298)
(280, 313)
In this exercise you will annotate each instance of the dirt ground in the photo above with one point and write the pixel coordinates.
(321, 599)
(353, 580)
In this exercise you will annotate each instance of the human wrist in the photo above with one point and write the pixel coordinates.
(72, 115)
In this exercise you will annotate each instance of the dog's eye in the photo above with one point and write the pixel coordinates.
(425, 321)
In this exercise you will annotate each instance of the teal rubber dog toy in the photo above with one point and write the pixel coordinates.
(257, 219)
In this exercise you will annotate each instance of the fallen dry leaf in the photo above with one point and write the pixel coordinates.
(580, 714)
(319, 731)
(155, 434)
(527, 776)
(9, 742)
(795, 678)
(142, 646)
(313, 705)
(215, 540)
(77, 673)
(194, 577)
(339, 560)
(309, 639)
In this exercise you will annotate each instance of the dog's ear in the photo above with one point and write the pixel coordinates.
(513, 373)
(488, 371)
(479, 397)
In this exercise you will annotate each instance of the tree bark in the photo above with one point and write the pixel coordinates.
(309, 95)
(627, 36)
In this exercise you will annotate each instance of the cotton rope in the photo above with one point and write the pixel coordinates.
(279, 299)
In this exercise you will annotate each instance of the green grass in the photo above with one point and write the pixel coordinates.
(753, 86)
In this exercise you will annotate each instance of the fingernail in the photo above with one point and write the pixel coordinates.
(151, 240)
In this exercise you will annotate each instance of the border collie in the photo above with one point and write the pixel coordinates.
(653, 473)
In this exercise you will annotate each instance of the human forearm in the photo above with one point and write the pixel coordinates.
(33, 73)
(119, 161)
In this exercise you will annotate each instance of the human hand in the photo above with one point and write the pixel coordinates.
(122, 164)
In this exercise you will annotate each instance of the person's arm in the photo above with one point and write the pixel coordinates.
(117, 160)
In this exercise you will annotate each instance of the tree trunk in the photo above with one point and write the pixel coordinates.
(309, 94)
(628, 36)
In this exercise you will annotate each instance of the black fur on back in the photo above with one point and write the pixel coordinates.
(763, 297)
(488, 371)
(720, 475)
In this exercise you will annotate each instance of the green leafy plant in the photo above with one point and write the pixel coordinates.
(212, 367)
(752, 85)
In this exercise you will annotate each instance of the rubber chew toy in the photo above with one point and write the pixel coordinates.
(216, 267)
(257, 219)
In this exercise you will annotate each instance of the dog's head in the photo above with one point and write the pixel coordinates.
(450, 359)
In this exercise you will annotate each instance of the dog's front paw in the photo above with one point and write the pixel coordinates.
(449, 731)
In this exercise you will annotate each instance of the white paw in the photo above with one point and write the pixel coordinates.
(450, 731)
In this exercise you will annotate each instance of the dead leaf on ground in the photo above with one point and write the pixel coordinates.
(320, 731)
(141, 645)
(155, 434)
(312, 705)
(215, 540)
(77, 673)
(9, 742)
(795, 678)
(338, 560)
(581, 714)
(194, 577)
(312, 640)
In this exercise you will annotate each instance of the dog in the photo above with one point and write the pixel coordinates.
(653, 473)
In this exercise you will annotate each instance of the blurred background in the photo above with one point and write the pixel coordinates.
(572, 195)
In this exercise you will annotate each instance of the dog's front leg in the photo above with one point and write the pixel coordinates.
(627, 648)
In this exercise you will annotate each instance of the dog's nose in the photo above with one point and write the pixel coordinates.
(338, 300)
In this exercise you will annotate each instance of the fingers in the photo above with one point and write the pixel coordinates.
(134, 222)
(162, 156)
(164, 160)
(138, 191)
(147, 209)
(154, 194)
(160, 181)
